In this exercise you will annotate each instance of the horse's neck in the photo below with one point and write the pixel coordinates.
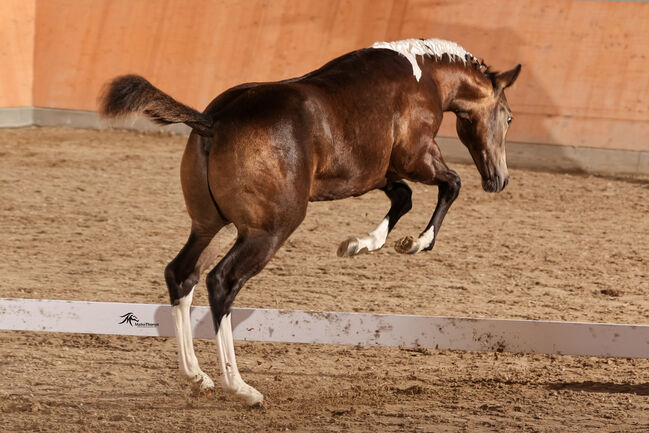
(456, 83)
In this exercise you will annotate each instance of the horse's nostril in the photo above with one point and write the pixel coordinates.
(505, 182)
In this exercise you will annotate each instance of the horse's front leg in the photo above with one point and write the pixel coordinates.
(400, 197)
(449, 185)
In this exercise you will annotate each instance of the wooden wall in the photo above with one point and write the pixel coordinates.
(16, 52)
(585, 75)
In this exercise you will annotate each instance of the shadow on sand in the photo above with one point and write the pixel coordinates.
(603, 387)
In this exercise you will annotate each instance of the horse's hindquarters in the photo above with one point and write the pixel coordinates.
(193, 178)
(260, 174)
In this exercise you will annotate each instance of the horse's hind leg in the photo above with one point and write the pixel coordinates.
(247, 257)
(182, 275)
(400, 197)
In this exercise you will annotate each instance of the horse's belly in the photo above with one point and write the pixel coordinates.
(348, 174)
(331, 189)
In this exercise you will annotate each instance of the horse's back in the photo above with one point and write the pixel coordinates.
(326, 135)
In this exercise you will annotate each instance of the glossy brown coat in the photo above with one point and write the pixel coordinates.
(261, 151)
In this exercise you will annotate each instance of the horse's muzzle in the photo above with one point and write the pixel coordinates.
(495, 183)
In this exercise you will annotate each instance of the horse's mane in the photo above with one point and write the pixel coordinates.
(436, 48)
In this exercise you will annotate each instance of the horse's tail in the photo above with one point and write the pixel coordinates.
(133, 94)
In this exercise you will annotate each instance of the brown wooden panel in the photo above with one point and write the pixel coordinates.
(584, 80)
(16, 52)
(586, 69)
(192, 52)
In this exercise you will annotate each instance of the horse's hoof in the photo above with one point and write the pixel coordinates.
(349, 248)
(250, 396)
(256, 401)
(202, 384)
(407, 245)
(197, 391)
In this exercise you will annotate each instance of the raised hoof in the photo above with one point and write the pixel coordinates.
(407, 245)
(351, 247)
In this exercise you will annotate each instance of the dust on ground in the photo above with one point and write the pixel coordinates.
(96, 215)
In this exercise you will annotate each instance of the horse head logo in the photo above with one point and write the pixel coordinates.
(129, 318)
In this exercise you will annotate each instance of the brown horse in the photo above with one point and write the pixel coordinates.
(261, 151)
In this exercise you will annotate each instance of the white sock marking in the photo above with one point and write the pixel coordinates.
(426, 238)
(186, 356)
(231, 378)
(376, 238)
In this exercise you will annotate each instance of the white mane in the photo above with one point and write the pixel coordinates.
(411, 48)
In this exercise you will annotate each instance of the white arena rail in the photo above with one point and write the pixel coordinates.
(523, 336)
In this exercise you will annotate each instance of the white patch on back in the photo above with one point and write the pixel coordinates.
(411, 48)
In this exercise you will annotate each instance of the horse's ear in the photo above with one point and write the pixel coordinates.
(506, 79)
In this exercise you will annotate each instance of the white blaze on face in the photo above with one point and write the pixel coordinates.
(411, 48)
(231, 379)
(186, 356)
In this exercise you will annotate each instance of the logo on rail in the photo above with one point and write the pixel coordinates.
(132, 320)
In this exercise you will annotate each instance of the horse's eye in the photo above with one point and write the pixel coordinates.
(509, 120)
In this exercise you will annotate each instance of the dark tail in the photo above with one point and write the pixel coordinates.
(132, 94)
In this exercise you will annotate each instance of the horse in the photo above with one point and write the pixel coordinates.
(260, 152)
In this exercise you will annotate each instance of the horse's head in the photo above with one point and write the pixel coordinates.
(482, 125)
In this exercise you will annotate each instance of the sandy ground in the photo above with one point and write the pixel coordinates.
(96, 215)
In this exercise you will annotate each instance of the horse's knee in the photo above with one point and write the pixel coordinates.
(454, 184)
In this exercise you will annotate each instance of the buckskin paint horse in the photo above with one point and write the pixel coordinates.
(261, 151)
